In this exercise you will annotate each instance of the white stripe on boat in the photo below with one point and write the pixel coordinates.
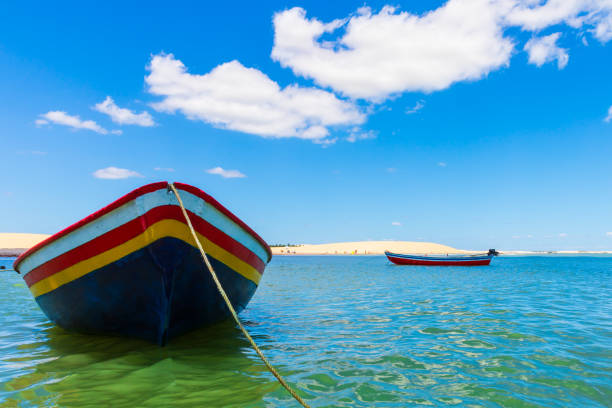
(133, 209)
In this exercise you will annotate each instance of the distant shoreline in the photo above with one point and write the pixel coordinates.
(366, 248)
(11, 252)
(412, 247)
(501, 253)
(14, 244)
(554, 252)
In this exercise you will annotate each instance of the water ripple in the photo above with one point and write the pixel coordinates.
(347, 332)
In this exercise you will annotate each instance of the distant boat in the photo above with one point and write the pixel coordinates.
(442, 260)
(133, 268)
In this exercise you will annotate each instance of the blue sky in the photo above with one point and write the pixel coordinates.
(473, 124)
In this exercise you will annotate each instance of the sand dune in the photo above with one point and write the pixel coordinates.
(367, 247)
(19, 241)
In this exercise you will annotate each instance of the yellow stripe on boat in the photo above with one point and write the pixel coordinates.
(161, 229)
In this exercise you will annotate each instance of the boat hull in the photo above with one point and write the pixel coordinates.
(145, 278)
(402, 259)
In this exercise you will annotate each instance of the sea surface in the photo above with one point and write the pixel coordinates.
(346, 331)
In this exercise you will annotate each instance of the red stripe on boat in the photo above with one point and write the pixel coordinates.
(149, 188)
(196, 191)
(134, 228)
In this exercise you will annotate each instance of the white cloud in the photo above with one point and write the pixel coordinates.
(391, 169)
(396, 224)
(325, 142)
(537, 15)
(389, 52)
(225, 173)
(594, 15)
(372, 55)
(358, 134)
(442, 164)
(123, 116)
(609, 234)
(584, 41)
(417, 107)
(609, 117)
(115, 173)
(235, 97)
(170, 169)
(562, 235)
(544, 49)
(62, 118)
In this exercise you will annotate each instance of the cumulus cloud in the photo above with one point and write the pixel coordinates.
(373, 55)
(115, 173)
(225, 173)
(62, 118)
(544, 49)
(396, 224)
(389, 52)
(123, 116)
(170, 169)
(563, 235)
(609, 117)
(442, 164)
(235, 97)
(609, 234)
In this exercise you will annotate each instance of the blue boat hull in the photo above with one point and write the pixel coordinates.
(156, 293)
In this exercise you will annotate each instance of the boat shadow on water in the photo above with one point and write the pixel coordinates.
(213, 366)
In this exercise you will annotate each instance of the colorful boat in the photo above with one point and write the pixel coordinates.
(133, 268)
(442, 260)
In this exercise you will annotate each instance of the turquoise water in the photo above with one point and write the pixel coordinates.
(347, 332)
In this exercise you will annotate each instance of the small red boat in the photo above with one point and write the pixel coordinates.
(442, 260)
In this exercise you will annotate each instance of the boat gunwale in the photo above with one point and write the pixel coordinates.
(148, 188)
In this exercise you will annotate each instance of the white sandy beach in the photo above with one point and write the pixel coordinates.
(22, 241)
(367, 248)
(10, 240)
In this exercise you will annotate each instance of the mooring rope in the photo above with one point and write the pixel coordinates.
(229, 304)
